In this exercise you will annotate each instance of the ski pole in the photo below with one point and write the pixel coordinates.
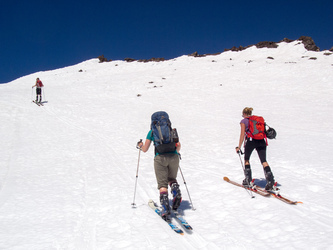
(188, 193)
(248, 191)
(44, 94)
(137, 175)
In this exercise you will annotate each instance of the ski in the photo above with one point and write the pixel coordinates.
(37, 103)
(182, 220)
(251, 188)
(264, 192)
(152, 204)
(276, 194)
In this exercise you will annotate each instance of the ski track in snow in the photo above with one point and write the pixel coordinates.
(68, 168)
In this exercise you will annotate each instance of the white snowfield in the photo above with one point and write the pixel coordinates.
(68, 168)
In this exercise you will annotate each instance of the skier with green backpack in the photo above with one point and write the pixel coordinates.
(166, 160)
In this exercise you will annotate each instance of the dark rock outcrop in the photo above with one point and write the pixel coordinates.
(266, 45)
(309, 44)
(129, 60)
(196, 54)
(160, 59)
(103, 59)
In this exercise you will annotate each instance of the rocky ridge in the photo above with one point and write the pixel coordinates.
(308, 42)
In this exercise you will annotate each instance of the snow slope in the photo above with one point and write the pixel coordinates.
(68, 169)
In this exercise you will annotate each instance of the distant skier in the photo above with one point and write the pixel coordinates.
(250, 145)
(166, 161)
(38, 86)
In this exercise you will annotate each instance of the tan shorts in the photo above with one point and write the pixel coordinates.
(166, 169)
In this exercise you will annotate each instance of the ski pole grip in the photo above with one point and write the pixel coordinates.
(239, 151)
(137, 145)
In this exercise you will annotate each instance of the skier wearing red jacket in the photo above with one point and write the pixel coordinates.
(38, 86)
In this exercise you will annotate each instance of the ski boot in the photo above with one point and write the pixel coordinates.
(164, 200)
(269, 178)
(247, 182)
(177, 196)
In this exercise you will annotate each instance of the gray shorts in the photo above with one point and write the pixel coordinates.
(166, 169)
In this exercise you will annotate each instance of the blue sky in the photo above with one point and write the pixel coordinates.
(39, 35)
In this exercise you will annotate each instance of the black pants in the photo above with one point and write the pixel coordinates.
(259, 145)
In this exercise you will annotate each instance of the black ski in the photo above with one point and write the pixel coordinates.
(38, 103)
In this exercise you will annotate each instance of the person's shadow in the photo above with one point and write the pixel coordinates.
(262, 182)
(185, 205)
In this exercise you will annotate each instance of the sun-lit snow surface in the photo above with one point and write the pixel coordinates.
(68, 169)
